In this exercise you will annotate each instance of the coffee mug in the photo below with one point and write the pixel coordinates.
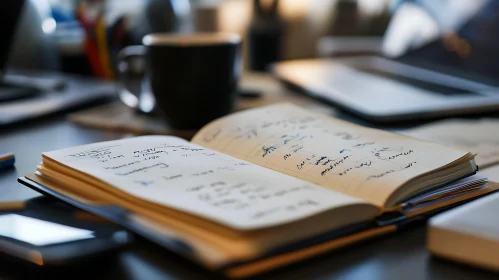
(190, 79)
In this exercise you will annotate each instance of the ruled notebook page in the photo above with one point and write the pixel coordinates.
(175, 173)
(366, 163)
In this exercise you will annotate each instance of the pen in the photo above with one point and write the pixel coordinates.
(7, 160)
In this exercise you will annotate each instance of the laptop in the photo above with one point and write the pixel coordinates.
(10, 17)
(26, 95)
(433, 64)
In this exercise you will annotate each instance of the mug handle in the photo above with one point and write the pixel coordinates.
(134, 89)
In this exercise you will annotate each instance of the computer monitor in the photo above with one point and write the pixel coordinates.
(10, 12)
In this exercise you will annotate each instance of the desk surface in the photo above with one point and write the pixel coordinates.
(398, 256)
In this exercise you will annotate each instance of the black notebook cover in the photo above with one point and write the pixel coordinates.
(118, 215)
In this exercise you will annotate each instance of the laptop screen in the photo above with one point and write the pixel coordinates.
(461, 35)
(10, 12)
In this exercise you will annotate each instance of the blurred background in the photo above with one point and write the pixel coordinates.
(380, 60)
(84, 36)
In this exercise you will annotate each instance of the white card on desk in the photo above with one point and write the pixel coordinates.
(491, 172)
(468, 234)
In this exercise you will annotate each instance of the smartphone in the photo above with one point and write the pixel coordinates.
(48, 243)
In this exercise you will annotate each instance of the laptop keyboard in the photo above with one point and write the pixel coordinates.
(11, 93)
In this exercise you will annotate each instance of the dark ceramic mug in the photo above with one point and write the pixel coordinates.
(190, 79)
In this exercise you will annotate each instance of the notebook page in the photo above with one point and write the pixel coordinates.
(477, 136)
(178, 174)
(365, 163)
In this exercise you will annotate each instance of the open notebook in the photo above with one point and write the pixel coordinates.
(261, 188)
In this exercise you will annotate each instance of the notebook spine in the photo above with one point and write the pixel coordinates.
(390, 218)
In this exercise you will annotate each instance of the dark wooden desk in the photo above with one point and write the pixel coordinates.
(398, 256)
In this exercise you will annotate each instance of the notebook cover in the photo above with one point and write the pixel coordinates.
(278, 257)
(119, 216)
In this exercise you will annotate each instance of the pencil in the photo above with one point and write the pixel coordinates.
(7, 160)
(102, 47)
